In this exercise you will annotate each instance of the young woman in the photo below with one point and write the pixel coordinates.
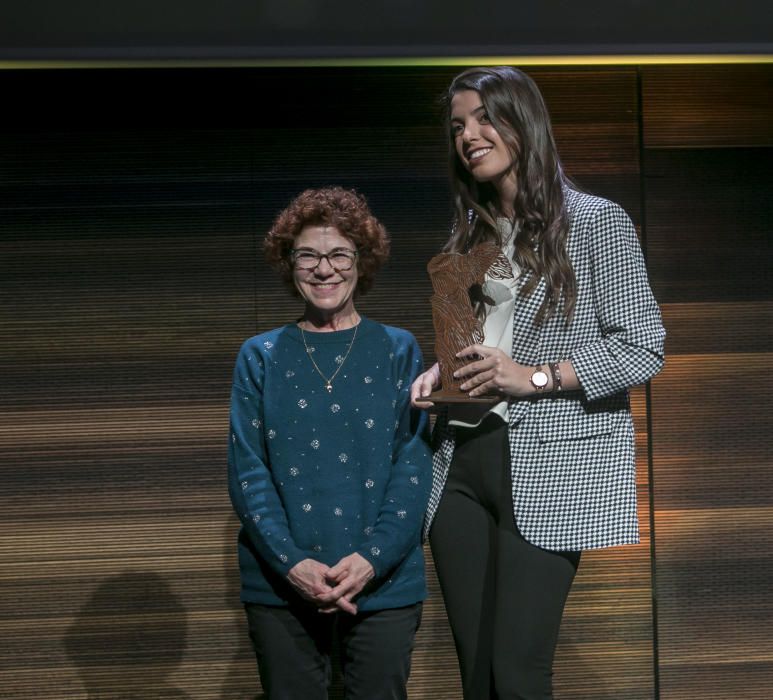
(328, 468)
(570, 324)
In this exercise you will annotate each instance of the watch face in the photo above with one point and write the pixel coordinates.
(539, 379)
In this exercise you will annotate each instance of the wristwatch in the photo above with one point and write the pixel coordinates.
(539, 378)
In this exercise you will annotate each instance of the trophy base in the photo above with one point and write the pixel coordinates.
(459, 397)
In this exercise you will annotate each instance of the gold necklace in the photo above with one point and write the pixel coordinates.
(328, 380)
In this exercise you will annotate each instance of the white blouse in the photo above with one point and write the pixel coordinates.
(499, 288)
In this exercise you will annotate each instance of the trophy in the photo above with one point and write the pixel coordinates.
(453, 316)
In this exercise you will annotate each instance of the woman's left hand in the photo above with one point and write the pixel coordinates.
(493, 372)
(349, 576)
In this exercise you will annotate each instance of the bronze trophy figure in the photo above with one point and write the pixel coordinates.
(453, 316)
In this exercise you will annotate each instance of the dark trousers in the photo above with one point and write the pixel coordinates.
(295, 646)
(504, 596)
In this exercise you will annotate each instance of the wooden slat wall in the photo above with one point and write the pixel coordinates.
(709, 217)
(127, 281)
(128, 278)
(605, 649)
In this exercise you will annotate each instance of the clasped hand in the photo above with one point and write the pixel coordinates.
(332, 588)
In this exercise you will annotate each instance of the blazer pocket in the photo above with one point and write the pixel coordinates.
(559, 420)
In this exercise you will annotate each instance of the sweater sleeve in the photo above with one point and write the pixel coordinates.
(398, 526)
(630, 350)
(250, 483)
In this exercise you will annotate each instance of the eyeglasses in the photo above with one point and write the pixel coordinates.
(340, 260)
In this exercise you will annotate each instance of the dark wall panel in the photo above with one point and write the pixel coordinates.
(127, 282)
(709, 218)
(712, 106)
(709, 214)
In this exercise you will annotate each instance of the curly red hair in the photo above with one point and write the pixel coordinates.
(347, 211)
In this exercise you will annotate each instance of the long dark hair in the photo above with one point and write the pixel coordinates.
(517, 111)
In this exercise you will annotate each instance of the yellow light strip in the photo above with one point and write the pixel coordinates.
(386, 62)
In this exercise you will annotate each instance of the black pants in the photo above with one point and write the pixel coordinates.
(504, 596)
(294, 647)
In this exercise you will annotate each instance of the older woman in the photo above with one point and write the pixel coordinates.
(329, 471)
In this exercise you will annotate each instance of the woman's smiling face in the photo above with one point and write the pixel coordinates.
(328, 292)
(478, 144)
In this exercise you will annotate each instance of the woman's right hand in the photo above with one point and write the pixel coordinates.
(424, 385)
(309, 578)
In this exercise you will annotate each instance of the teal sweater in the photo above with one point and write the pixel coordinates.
(321, 475)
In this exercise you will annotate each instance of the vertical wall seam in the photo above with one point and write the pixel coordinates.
(648, 400)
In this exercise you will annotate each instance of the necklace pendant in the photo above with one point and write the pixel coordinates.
(328, 382)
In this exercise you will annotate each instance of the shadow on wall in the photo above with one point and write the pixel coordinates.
(129, 638)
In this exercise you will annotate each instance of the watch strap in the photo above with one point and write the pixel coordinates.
(555, 373)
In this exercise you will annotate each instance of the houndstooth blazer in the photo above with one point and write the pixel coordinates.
(572, 455)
